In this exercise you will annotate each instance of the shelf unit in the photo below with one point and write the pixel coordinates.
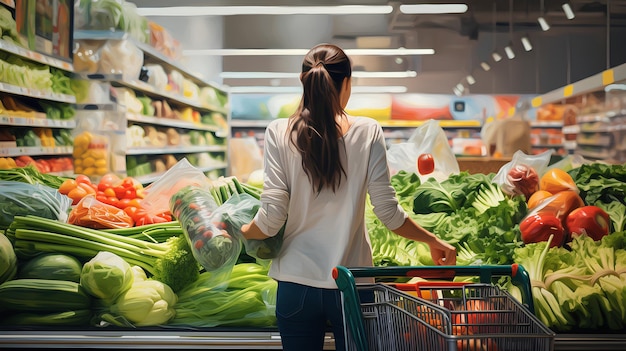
(599, 133)
(212, 158)
(18, 121)
(394, 130)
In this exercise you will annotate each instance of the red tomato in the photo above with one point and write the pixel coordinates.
(109, 192)
(109, 179)
(81, 178)
(425, 164)
(130, 210)
(591, 220)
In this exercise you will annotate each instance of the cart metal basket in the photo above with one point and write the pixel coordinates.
(439, 315)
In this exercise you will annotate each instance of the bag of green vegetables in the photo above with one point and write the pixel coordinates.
(22, 199)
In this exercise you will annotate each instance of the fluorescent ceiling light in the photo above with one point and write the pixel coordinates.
(496, 57)
(485, 66)
(359, 89)
(526, 43)
(543, 23)
(302, 52)
(264, 10)
(426, 9)
(569, 13)
(290, 75)
(470, 80)
(460, 87)
(508, 50)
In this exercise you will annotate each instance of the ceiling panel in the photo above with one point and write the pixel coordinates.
(571, 50)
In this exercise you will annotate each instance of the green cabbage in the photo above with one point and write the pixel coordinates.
(146, 303)
(106, 276)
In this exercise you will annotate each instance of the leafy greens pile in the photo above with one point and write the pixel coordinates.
(582, 288)
(466, 210)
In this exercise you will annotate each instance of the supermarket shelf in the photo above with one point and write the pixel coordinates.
(232, 339)
(600, 116)
(244, 123)
(147, 50)
(33, 55)
(442, 123)
(111, 106)
(9, 120)
(149, 178)
(587, 85)
(174, 150)
(133, 117)
(573, 129)
(35, 151)
(14, 89)
(546, 124)
(150, 90)
(547, 146)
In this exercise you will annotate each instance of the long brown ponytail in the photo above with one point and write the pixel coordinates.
(314, 128)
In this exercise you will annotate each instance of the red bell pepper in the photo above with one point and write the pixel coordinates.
(539, 226)
(591, 220)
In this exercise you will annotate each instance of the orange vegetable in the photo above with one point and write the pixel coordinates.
(67, 186)
(561, 204)
(555, 180)
(91, 213)
(537, 197)
(77, 194)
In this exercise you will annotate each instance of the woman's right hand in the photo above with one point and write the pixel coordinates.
(442, 253)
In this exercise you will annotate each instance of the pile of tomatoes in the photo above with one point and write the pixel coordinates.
(123, 193)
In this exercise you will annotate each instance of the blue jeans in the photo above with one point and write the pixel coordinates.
(304, 314)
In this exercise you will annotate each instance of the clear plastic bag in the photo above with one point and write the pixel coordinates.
(22, 199)
(428, 138)
(91, 213)
(240, 209)
(521, 175)
(182, 174)
(212, 246)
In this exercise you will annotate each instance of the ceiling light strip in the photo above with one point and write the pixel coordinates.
(290, 75)
(302, 52)
(264, 10)
(431, 9)
(294, 89)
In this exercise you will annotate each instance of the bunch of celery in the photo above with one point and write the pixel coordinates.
(247, 298)
(583, 287)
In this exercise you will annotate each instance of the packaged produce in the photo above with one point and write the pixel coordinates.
(427, 139)
(90, 154)
(213, 247)
(21, 199)
(111, 15)
(240, 209)
(91, 213)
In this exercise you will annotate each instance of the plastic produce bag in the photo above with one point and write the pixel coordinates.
(91, 213)
(240, 209)
(22, 199)
(521, 175)
(429, 138)
(182, 174)
(215, 249)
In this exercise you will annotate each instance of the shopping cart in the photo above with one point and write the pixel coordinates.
(439, 315)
